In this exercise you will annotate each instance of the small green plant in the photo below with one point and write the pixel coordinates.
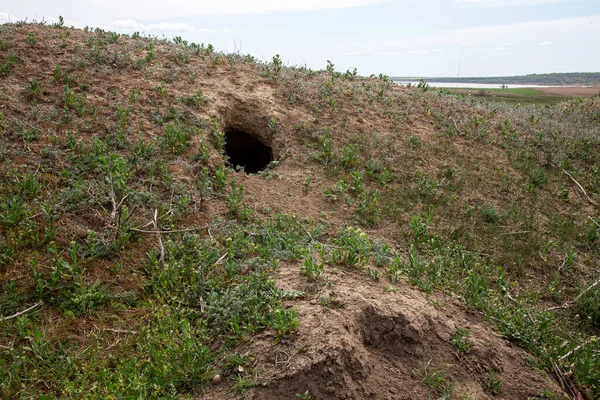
(75, 102)
(349, 156)
(352, 247)
(150, 56)
(196, 100)
(424, 86)
(336, 192)
(34, 89)
(177, 137)
(235, 197)
(368, 208)
(284, 322)
(311, 266)
(420, 225)
(306, 183)
(30, 39)
(384, 177)
(272, 125)
(304, 396)
(8, 65)
(435, 379)
(161, 90)
(493, 384)
(373, 273)
(217, 137)
(277, 66)
(414, 141)
(60, 23)
(458, 339)
(427, 185)
(325, 154)
(219, 178)
(490, 214)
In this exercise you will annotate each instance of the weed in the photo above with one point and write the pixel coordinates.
(325, 154)
(219, 178)
(284, 322)
(458, 339)
(493, 384)
(311, 267)
(217, 137)
(30, 39)
(8, 65)
(352, 247)
(161, 90)
(272, 125)
(349, 156)
(427, 186)
(336, 192)
(34, 89)
(436, 380)
(75, 102)
(306, 183)
(304, 396)
(151, 55)
(420, 225)
(177, 137)
(490, 214)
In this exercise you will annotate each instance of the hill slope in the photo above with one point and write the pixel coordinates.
(400, 244)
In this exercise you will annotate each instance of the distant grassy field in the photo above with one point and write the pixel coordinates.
(513, 95)
(541, 96)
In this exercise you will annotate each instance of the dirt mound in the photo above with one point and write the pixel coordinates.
(359, 339)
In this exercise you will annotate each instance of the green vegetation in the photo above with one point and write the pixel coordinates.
(135, 263)
(513, 96)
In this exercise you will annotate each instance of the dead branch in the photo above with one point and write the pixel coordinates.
(456, 126)
(22, 312)
(576, 299)
(514, 233)
(158, 236)
(577, 348)
(119, 331)
(199, 228)
(582, 189)
(111, 195)
(593, 285)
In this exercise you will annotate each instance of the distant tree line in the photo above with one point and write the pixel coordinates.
(553, 79)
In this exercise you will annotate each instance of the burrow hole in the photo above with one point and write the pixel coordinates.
(247, 151)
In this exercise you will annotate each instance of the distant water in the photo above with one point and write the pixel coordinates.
(470, 85)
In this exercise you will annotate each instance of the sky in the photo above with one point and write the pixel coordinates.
(392, 37)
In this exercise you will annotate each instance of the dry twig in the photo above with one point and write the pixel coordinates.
(22, 312)
(582, 189)
(158, 236)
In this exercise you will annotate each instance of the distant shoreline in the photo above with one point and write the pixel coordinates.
(574, 79)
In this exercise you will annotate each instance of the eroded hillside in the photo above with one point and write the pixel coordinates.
(389, 243)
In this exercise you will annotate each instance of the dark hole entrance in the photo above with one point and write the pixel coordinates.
(247, 151)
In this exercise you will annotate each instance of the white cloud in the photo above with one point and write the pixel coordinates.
(507, 3)
(545, 44)
(149, 9)
(133, 25)
(5, 17)
(489, 36)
